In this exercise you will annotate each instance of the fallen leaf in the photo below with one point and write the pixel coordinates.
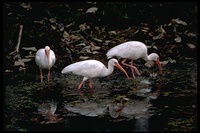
(95, 52)
(66, 36)
(19, 63)
(179, 21)
(191, 35)
(172, 61)
(178, 39)
(21, 68)
(81, 44)
(158, 37)
(93, 47)
(84, 27)
(149, 64)
(155, 47)
(26, 60)
(53, 27)
(160, 29)
(145, 29)
(8, 71)
(86, 49)
(163, 63)
(84, 57)
(98, 40)
(69, 25)
(40, 22)
(92, 10)
(112, 32)
(29, 48)
(107, 42)
(52, 20)
(26, 6)
(61, 28)
(191, 46)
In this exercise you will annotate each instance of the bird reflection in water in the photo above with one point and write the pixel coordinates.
(48, 110)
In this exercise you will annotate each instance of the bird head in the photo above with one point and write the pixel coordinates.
(155, 57)
(114, 62)
(47, 52)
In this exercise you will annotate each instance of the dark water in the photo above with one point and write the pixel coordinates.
(149, 103)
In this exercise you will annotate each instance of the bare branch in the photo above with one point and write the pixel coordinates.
(18, 41)
(19, 38)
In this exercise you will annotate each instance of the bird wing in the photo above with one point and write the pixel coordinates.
(89, 68)
(53, 57)
(39, 57)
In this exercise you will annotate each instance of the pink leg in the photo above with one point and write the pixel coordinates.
(48, 75)
(90, 85)
(132, 67)
(41, 76)
(120, 109)
(135, 68)
(132, 70)
(80, 85)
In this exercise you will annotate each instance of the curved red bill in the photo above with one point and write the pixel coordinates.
(121, 68)
(159, 66)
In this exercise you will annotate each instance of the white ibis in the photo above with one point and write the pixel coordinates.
(92, 68)
(133, 50)
(45, 59)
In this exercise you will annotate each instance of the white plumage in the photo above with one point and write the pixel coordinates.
(92, 68)
(45, 59)
(133, 50)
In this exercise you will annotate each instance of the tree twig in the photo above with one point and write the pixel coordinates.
(19, 38)
(18, 41)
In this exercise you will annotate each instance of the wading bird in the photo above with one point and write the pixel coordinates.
(92, 68)
(133, 50)
(45, 59)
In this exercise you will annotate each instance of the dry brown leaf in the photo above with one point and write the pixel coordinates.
(66, 35)
(179, 21)
(93, 47)
(92, 10)
(8, 71)
(84, 27)
(107, 42)
(84, 57)
(81, 44)
(40, 22)
(69, 25)
(178, 39)
(160, 29)
(29, 48)
(62, 28)
(19, 63)
(149, 64)
(172, 61)
(53, 27)
(98, 40)
(26, 60)
(26, 6)
(158, 36)
(145, 28)
(52, 20)
(163, 63)
(191, 46)
(112, 32)
(191, 35)
(95, 52)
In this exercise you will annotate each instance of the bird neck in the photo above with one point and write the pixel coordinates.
(151, 57)
(146, 57)
(47, 52)
(108, 70)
